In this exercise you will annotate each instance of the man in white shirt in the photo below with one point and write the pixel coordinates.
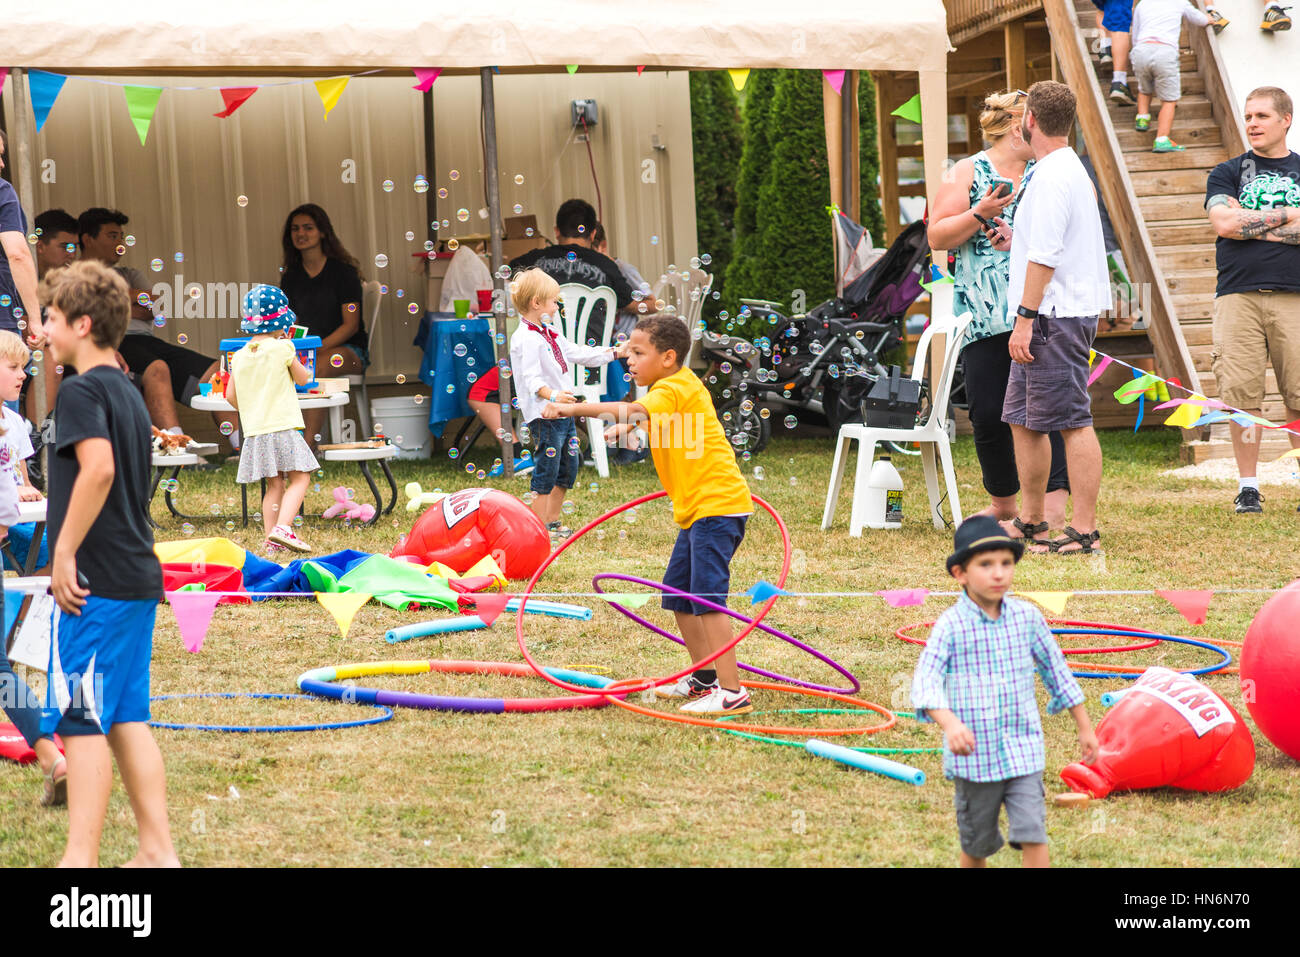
(1058, 287)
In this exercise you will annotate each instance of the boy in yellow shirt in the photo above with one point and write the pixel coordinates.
(711, 501)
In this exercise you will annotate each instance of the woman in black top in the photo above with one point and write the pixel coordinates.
(323, 283)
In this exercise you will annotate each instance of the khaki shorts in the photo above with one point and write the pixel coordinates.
(1250, 330)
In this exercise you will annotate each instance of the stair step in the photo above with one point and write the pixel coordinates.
(1193, 256)
(1132, 141)
(1189, 108)
(1180, 207)
(1197, 332)
(1166, 182)
(1199, 157)
(1192, 83)
(1181, 233)
(1193, 306)
(1192, 282)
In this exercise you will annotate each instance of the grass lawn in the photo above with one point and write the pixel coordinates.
(606, 786)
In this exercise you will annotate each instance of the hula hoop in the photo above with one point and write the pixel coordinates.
(1114, 649)
(320, 682)
(855, 685)
(765, 739)
(629, 685)
(252, 728)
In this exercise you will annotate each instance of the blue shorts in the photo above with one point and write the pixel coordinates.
(560, 468)
(1117, 14)
(99, 667)
(701, 562)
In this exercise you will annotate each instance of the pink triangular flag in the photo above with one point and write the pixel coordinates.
(836, 79)
(489, 606)
(1101, 367)
(426, 77)
(193, 611)
(902, 597)
(1192, 604)
(4, 75)
(639, 71)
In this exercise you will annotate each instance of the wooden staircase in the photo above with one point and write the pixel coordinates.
(1173, 238)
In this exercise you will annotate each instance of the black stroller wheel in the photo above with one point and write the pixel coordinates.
(747, 431)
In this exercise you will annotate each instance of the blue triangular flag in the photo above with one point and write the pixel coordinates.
(45, 89)
(1209, 418)
(1142, 401)
(762, 591)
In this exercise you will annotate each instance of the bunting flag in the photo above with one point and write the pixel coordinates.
(487, 566)
(343, 605)
(1192, 604)
(1053, 601)
(762, 591)
(630, 599)
(141, 102)
(234, 97)
(910, 111)
(902, 597)
(941, 280)
(836, 79)
(44, 89)
(193, 611)
(330, 90)
(572, 68)
(4, 75)
(639, 71)
(1101, 367)
(426, 78)
(739, 78)
(1188, 411)
(1138, 379)
(1132, 391)
(1291, 454)
(1209, 418)
(488, 606)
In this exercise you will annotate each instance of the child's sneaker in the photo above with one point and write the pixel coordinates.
(283, 535)
(1164, 144)
(558, 532)
(1101, 47)
(1120, 93)
(690, 688)
(1217, 19)
(1275, 19)
(720, 701)
(1142, 122)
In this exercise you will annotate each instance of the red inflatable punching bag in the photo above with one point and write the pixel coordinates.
(463, 527)
(1168, 730)
(1270, 670)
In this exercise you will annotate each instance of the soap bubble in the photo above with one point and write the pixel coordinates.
(401, 379)
(759, 473)
(187, 529)
(142, 299)
(453, 174)
(442, 194)
(791, 421)
(421, 185)
(460, 349)
(793, 480)
(410, 236)
(121, 250)
(156, 265)
(387, 186)
(297, 521)
(518, 208)
(401, 293)
(705, 259)
(568, 508)
(451, 388)
(419, 399)
(179, 257)
(550, 451)
(462, 214)
(230, 526)
(241, 200)
(654, 240)
(453, 244)
(593, 487)
(528, 230)
(469, 467)
(336, 361)
(764, 413)
(381, 261)
(226, 428)
(413, 308)
(214, 508)
(519, 179)
(453, 453)
(195, 292)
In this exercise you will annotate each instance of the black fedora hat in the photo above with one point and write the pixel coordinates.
(981, 533)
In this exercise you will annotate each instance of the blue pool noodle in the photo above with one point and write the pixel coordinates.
(866, 762)
(439, 626)
(556, 609)
(1112, 698)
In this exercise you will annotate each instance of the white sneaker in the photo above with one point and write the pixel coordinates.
(720, 701)
(283, 535)
(689, 687)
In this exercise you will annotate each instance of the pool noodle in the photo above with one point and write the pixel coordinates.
(439, 626)
(1112, 698)
(866, 762)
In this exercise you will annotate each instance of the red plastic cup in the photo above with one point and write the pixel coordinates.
(485, 300)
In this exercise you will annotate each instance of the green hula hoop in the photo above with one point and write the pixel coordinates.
(797, 744)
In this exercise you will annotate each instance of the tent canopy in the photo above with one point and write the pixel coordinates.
(258, 36)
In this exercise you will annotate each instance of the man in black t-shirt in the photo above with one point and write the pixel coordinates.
(1253, 201)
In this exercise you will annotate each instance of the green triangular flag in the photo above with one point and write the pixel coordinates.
(572, 68)
(944, 280)
(911, 110)
(630, 599)
(141, 101)
(1130, 391)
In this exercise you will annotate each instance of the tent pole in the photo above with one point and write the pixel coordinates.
(498, 284)
(431, 166)
(20, 152)
(847, 142)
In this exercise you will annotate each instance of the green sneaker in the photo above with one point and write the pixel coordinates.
(1142, 122)
(1164, 144)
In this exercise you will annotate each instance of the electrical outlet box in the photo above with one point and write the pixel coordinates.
(583, 109)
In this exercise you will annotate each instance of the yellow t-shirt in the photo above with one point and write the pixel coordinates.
(695, 462)
(267, 399)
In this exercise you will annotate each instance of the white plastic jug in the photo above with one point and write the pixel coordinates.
(884, 495)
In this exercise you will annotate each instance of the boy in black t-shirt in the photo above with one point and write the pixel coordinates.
(105, 575)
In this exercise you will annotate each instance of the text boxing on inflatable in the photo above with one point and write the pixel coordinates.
(629, 685)
(1168, 730)
(1270, 670)
(461, 528)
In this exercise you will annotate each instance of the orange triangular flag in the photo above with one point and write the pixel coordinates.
(343, 605)
(234, 97)
(1053, 601)
(1192, 604)
(330, 90)
(489, 606)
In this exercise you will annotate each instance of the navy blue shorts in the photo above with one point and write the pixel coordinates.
(99, 667)
(701, 562)
(1117, 15)
(557, 459)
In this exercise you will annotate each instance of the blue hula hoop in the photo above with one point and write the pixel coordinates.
(245, 729)
(1133, 676)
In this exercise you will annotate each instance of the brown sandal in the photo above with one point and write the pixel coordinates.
(1027, 532)
(1086, 542)
(56, 784)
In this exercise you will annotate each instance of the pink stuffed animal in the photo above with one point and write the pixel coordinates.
(343, 505)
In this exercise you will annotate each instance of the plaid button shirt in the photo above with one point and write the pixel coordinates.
(982, 669)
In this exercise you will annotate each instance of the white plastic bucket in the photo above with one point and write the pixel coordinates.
(406, 423)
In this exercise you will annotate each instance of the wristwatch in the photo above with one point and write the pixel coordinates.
(1027, 312)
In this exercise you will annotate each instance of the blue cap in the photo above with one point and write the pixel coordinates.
(266, 309)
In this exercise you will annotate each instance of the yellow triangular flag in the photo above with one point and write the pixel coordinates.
(487, 566)
(343, 605)
(1053, 601)
(739, 77)
(330, 90)
(1187, 413)
(1293, 454)
(442, 571)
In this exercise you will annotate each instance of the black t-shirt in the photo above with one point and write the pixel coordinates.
(567, 263)
(1257, 182)
(117, 554)
(318, 303)
(12, 220)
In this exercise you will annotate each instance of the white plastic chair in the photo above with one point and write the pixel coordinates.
(579, 304)
(684, 293)
(372, 297)
(932, 434)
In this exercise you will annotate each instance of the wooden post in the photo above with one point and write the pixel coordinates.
(974, 135)
(500, 346)
(887, 142)
(21, 155)
(1013, 35)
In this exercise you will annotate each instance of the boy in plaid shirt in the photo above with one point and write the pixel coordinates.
(975, 679)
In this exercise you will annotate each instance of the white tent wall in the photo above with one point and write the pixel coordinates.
(180, 189)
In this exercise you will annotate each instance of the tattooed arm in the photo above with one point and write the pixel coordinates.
(1281, 225)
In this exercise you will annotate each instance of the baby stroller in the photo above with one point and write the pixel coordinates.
(823, 364)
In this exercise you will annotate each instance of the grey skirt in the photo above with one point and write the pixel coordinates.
(266, 456)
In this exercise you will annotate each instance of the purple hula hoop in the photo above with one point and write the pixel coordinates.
(856, 685)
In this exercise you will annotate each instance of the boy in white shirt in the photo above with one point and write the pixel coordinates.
(1156, 28)
(540, 358)
(16, 448)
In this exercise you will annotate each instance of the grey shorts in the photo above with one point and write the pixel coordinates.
(1156, 67)
(978, 804)
(1050, 394)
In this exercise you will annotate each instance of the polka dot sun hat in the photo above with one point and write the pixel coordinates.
(266, 309)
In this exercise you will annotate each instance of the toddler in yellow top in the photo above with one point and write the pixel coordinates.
(261, 388)
(711, 501)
